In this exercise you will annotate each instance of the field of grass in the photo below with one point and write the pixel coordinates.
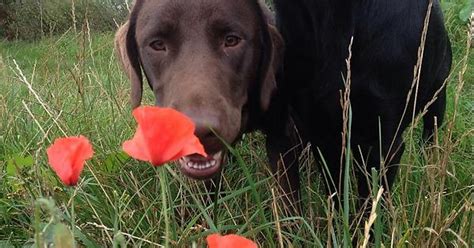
(72, 84)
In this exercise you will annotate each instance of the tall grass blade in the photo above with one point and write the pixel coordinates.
(378, 221)
(347, 165)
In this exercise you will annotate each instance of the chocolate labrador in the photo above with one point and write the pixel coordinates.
(213, 60)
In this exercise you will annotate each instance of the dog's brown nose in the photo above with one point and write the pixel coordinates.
(207, 129)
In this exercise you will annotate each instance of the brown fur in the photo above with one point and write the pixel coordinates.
(219, 88)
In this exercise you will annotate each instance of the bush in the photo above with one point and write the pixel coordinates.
(33, 19)
(4, 17)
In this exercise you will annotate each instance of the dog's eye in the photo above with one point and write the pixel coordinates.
(158, 45)
(232, 40)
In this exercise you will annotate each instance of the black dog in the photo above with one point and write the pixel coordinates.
(386, 37)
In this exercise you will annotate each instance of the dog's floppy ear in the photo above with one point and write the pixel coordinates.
(273, 50)
(127, 52)
(269, 86)
(133, 74)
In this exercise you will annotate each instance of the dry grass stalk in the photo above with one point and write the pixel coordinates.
(372, 217)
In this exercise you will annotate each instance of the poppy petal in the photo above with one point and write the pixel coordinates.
(81, 154)
(193, 147)
(165, 130)
(229, 241)
(163, 135)
(67, 157)
(136, 147)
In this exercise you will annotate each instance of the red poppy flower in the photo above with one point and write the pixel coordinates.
(67, 157)
(229, 241)
(163, 135)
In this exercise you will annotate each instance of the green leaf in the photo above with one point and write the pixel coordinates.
(63, 236)
(466, 11)
(119, 240)
(59, 235)
(114, 161)
(18, 162)
(5, 244)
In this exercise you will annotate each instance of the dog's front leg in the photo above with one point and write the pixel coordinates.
(284, 148)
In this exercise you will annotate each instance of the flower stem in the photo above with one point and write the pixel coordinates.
(39, 203)
(164, 205)
(37, 224)
(73, 218)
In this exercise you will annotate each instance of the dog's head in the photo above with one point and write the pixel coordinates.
(213, 60)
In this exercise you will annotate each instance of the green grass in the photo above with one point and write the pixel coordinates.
(77, 87)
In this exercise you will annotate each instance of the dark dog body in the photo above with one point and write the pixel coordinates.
(386, 36)
(216, 60)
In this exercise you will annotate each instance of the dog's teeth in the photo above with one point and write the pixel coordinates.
(198, 165)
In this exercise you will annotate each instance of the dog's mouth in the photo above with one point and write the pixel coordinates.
(199, 167)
